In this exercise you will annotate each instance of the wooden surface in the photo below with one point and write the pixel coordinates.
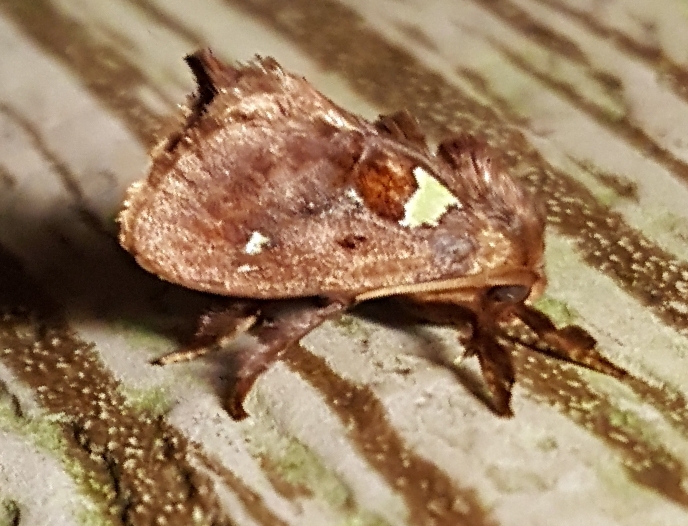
(586, 101)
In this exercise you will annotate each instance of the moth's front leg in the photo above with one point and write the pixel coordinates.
(496, 366)
(275, 326)
(570, 343)
(495, 360)
(274, 334)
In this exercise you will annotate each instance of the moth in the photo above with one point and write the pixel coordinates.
(270, 191)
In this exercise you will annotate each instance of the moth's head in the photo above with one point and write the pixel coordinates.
(485, 233)
(507, 222)
(509, 256)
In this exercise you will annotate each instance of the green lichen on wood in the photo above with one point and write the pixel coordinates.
(668, 222)
(154, 401)
(9, 404)
(300, 467)
(296, 471)
(10, 513)
(349, 323)
(92, 517)
(558, 311)
(46, 433)
(142, 335)
(364, 519)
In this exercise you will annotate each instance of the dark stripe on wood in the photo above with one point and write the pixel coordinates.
(431, 496)
(103, 69)
(653, 56)
(135, 466)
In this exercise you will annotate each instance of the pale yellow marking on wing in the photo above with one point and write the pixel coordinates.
(429, 203)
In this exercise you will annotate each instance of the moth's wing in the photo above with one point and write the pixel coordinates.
(273, 191)
(266, 212)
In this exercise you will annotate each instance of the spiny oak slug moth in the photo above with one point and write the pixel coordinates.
(270, 191)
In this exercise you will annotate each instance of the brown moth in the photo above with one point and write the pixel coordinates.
(270, 191)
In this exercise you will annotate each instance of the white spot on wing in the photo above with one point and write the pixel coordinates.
(429, 203)
(242, 269)
(353, 195)
(256, 243)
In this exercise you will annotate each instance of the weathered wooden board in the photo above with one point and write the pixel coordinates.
(588, 103)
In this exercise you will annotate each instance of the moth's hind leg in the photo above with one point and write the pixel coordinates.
(215, 329)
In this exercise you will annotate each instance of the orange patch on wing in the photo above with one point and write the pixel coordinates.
(385, 185)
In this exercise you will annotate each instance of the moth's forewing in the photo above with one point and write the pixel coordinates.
(272, 191)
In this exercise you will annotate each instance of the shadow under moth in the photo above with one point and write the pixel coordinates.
(270, 191)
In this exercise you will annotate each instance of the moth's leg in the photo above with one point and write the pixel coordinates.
(570, 343)
(495, 360)
(497, 368)
(273, 338)
(215, 328)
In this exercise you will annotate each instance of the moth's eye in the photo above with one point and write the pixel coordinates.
(508, 293)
